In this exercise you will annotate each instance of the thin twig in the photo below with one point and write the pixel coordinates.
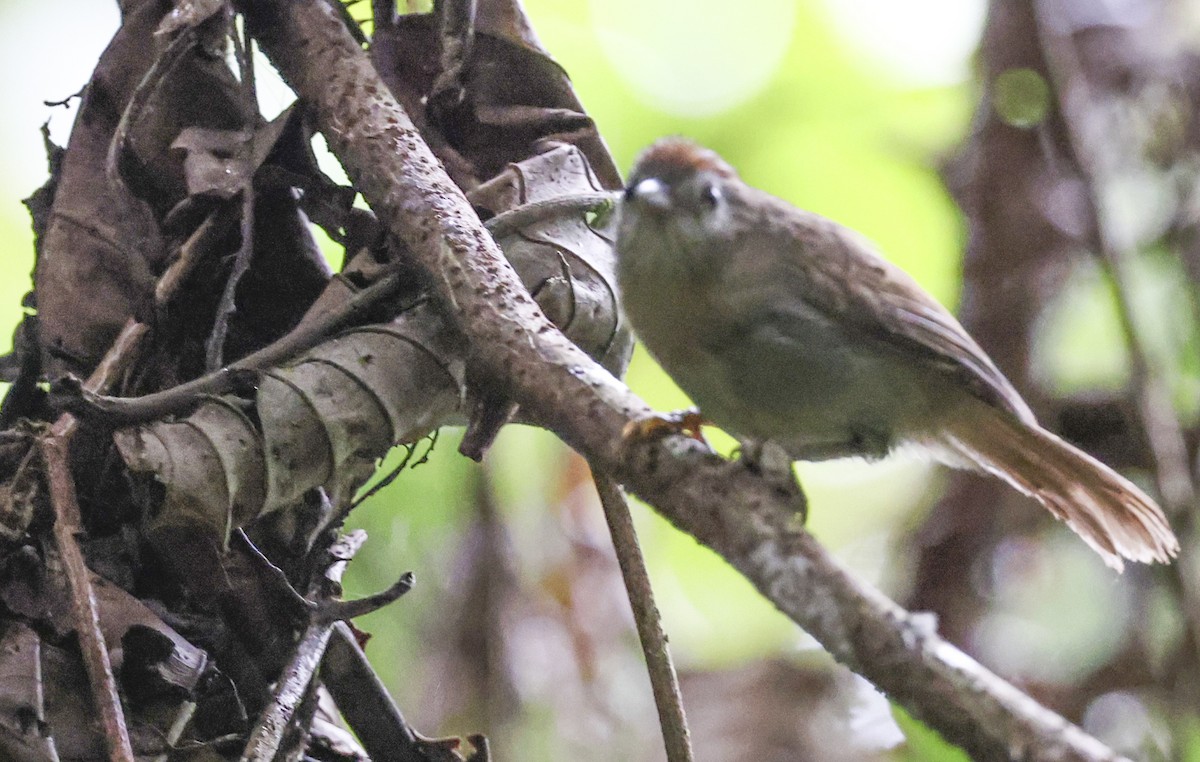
(457, 33)
(365, 703)
(325, 610)
(192, 252)
(214, 350)
(391, 476)
(127, 410)
(338, 611)
(293, 687)
(663, 681)
(176, 53)
(68, 523)
(297, 677)
(511, 221)
(276, 578)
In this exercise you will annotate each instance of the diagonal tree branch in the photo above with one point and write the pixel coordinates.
(723, 505)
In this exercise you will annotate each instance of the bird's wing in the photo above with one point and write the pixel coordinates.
(855, 287)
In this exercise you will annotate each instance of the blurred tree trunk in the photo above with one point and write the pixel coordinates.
(1035, 180)
(1016, 257)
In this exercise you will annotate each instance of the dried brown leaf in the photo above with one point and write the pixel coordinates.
(324, 420)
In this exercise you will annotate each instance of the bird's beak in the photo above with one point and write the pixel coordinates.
(650, 193)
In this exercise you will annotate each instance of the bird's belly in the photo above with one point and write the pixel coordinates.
(812, 389)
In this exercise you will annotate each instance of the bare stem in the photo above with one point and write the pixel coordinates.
(68, 523)
(663, 681)
(127, 410)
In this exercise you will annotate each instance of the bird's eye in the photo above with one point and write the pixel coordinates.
(710, 195)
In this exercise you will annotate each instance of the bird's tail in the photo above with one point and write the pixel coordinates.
(1113, 516)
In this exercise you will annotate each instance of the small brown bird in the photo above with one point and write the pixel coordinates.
(787, 328)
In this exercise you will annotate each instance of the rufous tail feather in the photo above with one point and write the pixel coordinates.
(1112, 515)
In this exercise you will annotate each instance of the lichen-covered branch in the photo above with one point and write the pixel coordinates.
(723, 505)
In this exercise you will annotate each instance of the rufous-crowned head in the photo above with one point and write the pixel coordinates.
(678, 184)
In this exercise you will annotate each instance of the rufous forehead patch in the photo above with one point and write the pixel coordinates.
(673, 157)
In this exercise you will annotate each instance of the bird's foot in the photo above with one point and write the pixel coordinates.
(652, 427)
(774, 464)
(764, 457)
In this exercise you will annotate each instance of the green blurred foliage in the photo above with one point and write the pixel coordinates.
(923, 744)
(1081, 345)
(1191, 747)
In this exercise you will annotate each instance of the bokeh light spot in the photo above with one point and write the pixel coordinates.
(1021, 97)
(694, 60)
(919, 42)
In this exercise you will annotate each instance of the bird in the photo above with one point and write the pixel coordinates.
(791, 331)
